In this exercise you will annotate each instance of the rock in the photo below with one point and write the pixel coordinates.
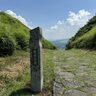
(74, 92)
(67, 75)
(90, 90)
(58, 89)
(73, 84)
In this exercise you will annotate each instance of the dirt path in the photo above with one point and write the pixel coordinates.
(75, 73)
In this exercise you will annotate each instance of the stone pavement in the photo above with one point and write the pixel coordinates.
(73, 80)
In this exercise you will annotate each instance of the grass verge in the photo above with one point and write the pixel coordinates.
(15, 74)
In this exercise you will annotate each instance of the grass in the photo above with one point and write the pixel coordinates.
(15, 71)
(85, 37)
(76, 57)
(15, 74)
(87, 40)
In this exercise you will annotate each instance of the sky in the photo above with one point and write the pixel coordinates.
(59, 19)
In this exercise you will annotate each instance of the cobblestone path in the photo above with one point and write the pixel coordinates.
(75, 73)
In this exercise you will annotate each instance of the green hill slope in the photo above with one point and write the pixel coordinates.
(11, 24)
(85, 37)
(15, 35)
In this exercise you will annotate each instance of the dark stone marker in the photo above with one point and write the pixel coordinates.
(36, 60)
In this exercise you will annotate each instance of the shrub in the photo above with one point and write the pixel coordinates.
(7, 44)
(21, 40)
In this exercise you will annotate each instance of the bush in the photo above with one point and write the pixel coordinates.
(21, 40)
(7, 44)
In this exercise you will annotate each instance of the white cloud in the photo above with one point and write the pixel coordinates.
(67, 28)
(80, 18)
(19, 17)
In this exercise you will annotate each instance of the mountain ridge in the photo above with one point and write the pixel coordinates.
(61, 43)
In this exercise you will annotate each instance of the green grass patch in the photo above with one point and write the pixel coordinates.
(15, 74)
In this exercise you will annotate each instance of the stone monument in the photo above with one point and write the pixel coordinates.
(36, 60)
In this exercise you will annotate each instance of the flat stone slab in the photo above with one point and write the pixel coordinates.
(66, 75)
(90, 90)
(74, 93)
(73, 84)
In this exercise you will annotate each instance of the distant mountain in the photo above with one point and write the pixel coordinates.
(85, 37)
(60, 43)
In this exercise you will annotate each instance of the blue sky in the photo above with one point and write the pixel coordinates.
(54, 16)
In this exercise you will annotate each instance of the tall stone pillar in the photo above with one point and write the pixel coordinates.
(36, 60)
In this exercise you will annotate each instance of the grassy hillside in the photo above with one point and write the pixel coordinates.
(85, 37)
(10, 24)
(48, 45)
(15, 35)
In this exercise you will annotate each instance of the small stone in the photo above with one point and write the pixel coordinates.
(58, 89)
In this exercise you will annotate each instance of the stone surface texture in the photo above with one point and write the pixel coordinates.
(36, 60)
(73, 77)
